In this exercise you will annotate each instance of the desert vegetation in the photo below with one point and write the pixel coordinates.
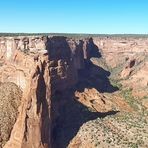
(10, 98)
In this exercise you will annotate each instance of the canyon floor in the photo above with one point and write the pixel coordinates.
(99, 99)
(110, 116)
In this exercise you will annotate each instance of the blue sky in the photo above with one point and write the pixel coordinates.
(74, 16)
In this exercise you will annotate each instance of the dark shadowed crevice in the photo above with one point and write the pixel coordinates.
(66, 113)
(42, 104)
(69, 117)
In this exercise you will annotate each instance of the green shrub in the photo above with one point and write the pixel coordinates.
(127, 95)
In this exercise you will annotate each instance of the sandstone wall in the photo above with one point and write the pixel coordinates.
(39, 66)
(66, 56)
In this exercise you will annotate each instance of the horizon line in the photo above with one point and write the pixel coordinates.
(73, 33)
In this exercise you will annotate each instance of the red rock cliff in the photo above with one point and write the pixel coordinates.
(39, 66)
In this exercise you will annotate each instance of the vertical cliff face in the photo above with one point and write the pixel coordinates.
(32, 127)
(66, 58)
(40, 66)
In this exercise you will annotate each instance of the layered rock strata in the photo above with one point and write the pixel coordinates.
(40, 66)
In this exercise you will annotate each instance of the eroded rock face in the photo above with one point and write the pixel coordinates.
(33, 122)
(94, 100)
(116, 50)
(39, 66)
(127, 59)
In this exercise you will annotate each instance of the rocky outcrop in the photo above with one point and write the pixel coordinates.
(117, 50)
(66, 56)
(40, 66)
(128, 68)
(33, 116)
(94, 100)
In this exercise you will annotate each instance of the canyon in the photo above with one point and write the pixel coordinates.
(68, 91)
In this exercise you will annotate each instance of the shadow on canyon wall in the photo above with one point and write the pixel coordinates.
(95, 77)
(43, 104)
(68, 114)
(71, 115)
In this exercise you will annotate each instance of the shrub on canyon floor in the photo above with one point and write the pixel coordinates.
(116, 83)
(127, 95)
(10, 98)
